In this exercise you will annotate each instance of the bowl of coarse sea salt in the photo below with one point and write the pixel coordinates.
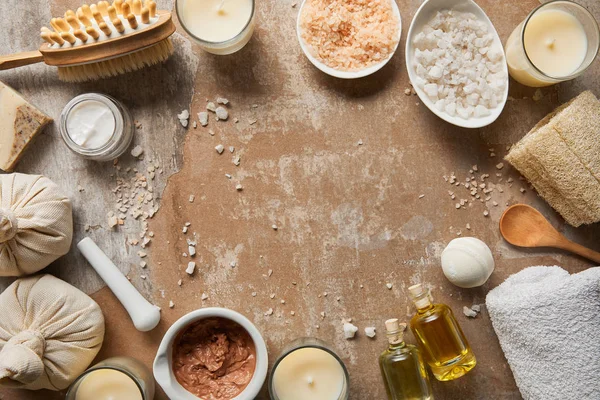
(456, 62)
(341, 73)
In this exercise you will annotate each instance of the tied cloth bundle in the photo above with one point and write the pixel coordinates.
(36, 223)
(548, 324)
(49, 333)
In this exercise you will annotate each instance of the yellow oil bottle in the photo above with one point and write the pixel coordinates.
(402, 367)
(439, 337)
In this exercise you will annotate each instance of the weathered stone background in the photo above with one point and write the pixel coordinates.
(347, 215)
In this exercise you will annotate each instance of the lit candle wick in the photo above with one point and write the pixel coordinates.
(310, 380)
(549, 42)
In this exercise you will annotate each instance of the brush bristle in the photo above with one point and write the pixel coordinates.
(154, 54)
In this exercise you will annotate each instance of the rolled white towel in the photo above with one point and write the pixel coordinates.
(548, 324)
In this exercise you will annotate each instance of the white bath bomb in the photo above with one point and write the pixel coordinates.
(467, 262)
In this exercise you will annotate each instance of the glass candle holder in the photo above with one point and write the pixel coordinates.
(96, 126)
(557, 42)
(117, 378)
(308, 368)
(218, 26)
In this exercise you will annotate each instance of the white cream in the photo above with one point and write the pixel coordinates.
(91, 124)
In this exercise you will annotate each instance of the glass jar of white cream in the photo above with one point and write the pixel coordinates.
(96, 126)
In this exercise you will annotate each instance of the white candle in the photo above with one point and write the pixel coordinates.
(107, 384)
(554, 40)
(309, 373)
(213, 22)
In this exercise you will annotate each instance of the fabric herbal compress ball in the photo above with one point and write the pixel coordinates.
(36, 223)
(50, 332)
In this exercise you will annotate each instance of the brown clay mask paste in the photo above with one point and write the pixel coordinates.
(214, 359)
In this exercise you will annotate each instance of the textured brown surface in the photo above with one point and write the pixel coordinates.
(348, 215)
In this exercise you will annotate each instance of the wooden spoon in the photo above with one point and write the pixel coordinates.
(524, 226)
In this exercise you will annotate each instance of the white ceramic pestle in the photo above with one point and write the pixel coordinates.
(144, 315)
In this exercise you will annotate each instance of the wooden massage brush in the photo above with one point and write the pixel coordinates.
(102, 40)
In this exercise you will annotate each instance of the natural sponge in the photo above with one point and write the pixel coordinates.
(49, 333)
(560, 156)
(36, 223)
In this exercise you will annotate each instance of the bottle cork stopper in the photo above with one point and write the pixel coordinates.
(416, 290)
(392, 325)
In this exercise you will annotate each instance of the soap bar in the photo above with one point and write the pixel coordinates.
(20, 122)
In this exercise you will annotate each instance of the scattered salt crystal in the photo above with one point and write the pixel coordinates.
(190, 268)
(349, 330)
(468, 312)
(137, 151)
(370, 331)
(203, 118)
(221, 113)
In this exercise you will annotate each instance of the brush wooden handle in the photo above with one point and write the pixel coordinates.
(20, 59)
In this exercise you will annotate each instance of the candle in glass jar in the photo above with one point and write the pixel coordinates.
(308, 373)
(555, 42)
(219, 26)
(108, 384)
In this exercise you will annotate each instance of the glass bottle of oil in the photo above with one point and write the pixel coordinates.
(402, 367)
(439, 336)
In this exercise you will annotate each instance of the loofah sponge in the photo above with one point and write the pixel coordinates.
(560, 156)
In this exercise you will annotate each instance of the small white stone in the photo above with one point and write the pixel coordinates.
(231, 149)
(191, 251)
(253, 294)
(239, 187)
(203, 118)
(232, 264)
(349, 330)
(180, 282)
(204, 296)
(185, 114)
(137, 151)
(468, 312)
(476, 308)
(219, 148)
(222, 114)
(275, 227)
(370, 331)
(191, 268)
(269, 312)
(499, 165)
(222, 100)
(171, 304)
(211, 106)
(389, 285)
(192, 198)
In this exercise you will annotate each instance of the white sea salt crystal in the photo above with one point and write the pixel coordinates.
(349, 330)
(370, 331)
(457, 60)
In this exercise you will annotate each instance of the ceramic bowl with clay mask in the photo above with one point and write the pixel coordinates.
(163, 363)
